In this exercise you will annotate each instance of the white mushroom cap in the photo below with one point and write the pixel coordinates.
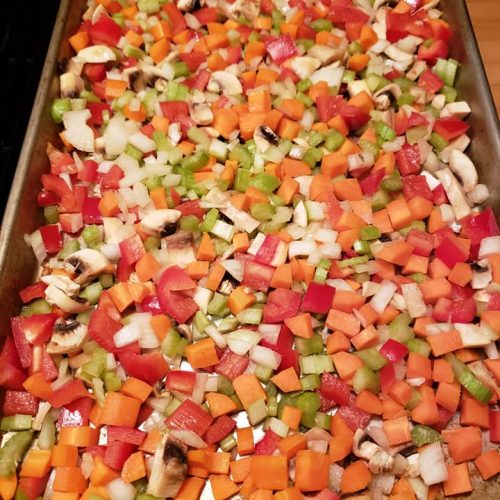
(96, 54)
(88, 263)
(155, 222)
(57, 297)
(67, 338)
(462, 166)
(225, 82)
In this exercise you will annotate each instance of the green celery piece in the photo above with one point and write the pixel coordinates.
(16, 422)
(92, 236)
(362, 247)
(228, 443)
(218, 305)
(321, 25)
(400, 330)
(368, 233)
(334, 140)
(310, 382)
(372, 358)
(91, 293)
(354, 261)
(189, 223)
(47, 436)
(38, 306)
(309, 403)
(161, 141)
(195, 162)
(172, 344)
(415, 399)
(313, 156)
(419, 346)
(320, 275)
(12, 452)
(250, 316)
(133, 152)
(69, 247)
(438, 142)
(97, 364)
(323, 420)
(272, 406)
(112, 382)
(262, 211)
(58, 108)
(365, 379)
(224, 385)
(313, 345)
(393, 182)
(380, 200)
(422, 434)
(242, 180)
(265, 182)
(263, 373)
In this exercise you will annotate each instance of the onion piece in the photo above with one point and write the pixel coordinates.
(383, 296)
(432, 466)
(265, 357)
(118, 489)
(240, 341)
(189, 438)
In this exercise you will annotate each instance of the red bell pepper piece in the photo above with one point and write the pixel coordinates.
(387, 377)
(494, 302)
(131, 250)
(60, 162)
(12, 374)
(455, 311)
(191, 208)
(150, 367)
(268, 444)
(89, 171)
(76, 413)
(175, 279)
(71, 223)
(38, 328)
(371, 182)
(220, 428)
(328, 106)
(353, 30)
(96, 112)
(181, 381)
(495, 426)
(105, 31)
(128, 435)
(111, 179)
(117, 453)
(69, 392)
(416, 185)
(51, 237)
(198, 81)
(318, 298)
(437, 50)
(152, 305)
(46, 199)
(257, 276)
(408, 159)
(31, 292)
(90, 211)
(393, 350)
(289, 359)
(189, 416)
(444, 417)
(400, 122)
(19, 402)
(280, 48)
(49, 369)
(450, 252)
(354, 117)
(24, 348)
(281, 304)
(172, 110)
(206, 15)
(450, 127)
(31, 488)
(177, 305)
(290, 74)
(326, 404)
(342, 13)
(175, 16)
(231, 365)
(477, 227)
(267, 250)
(193, 59)
(94, 72)
(334, 389)
(353, 416)
(430, 82)
(439, 195)
(417, 120)
(422, 242)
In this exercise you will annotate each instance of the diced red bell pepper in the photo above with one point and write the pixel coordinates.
(430, 82)
(90, 211)
(231, 365)
(31, 488)
(353, 416)
(151, 304)
(343, 12)
(96, 450)
(477, 227)
(172, 110)
(105, 31)
(393, 350)
(189, 416)
(24, 348)
(175, 16)
(76, 413)
(334, 389)
(353, 30)
(111, 179)
(67, 393)
(268, 444)
(71, 223)
(455, 311)
(437, 50)
(408, 159)
(416, 185)
(290, 74)
(461, 292)
(494, 302)
(369, 185)
(396, 23)
(38, 328)
(267, 250)
(52, 238)
(305, 32)
(181, 381)
(439, 195)
(289, 359)
(257, 276)
(177, 305)
(60, 162)
(328, 106)
(128, 435)
(417, 120)
(387, 377)
(421, 241)
(191, 207)
(326, 404)
(318, 298)
(150, 367)
(49, 369)
(495, 426)
(117, 453)
(94, 72)
(451, 252)
(96, 112)
(199, 81)
(175, 279)
(440, 29)
(444, 417)
(206, 15)
(400, 122)
(32, 292)
(280, 48)
(21, 402)
(281, 304)
(12, 374)
(131, 250)
(193, 59)
(450, 127)
(220, 428)
(354, 117)
(89, 171)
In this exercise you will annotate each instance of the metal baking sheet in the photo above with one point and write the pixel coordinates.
(18, 265)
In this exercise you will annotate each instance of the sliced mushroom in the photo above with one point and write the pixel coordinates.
(458, 109)
(136, 78)
(71, 85)
(180, 247)
(67, 338)
(96, 54)
(416, 70)
(454, 192)
(225, 82)
(378, 459)
(382, 99)
(264, 138)
(62, 282)
(161, 222)
(325, 53)
(169, 469)
(185, 331)
(479, 194)
(461, 165)
(88, 264)
(201, 113)
(57, 297)
(304, 66)
(481, 275)
(186, 5)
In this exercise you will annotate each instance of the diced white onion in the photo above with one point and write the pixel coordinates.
(383, 296)
(127, 335)
(240, 341)
(431, 464)
(265, 357)
(270, 332)
(118, 489)
(489, 246)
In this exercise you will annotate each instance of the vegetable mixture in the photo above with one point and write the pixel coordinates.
(266, 268)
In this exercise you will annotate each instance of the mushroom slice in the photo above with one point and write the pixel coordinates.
(180, 247)
(71, 85)
(88, 264)
(225, 82)
(479, 194)
(96, 54)
(169, 469)
(64, 283)
(264, 138)
(57, 297)
(378, 459)
(462, 166)
(186, 5)
(67, 338)
(201, 113)
(454, 192)
(161, 222)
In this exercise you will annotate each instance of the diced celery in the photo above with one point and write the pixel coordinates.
(92, 235)
(362, 247)
(384, 132)
(416, 224)
(317, 363)
(218, 305)
(419, 346)
(272, 406)
(334, 140)
(349, 76)
(224, 386)
(361, 277)
(449, 93)
(365, 379)
(133, 152)
(181, 69)
(242, 180)
(198, 137)
(404, 83)
(380, 200)
(321, 25)
(354, 48)
(195, 162)
(310, 382)
(152, 243)
(354, 261)
(405, 98)
(223, 230)
(313, 156)
(368, 233)
(313, 345)
(303, 85)
(372, 358)
(422, 434)
(161, 141)
(96, 365)
(69, 247)
(438, 142)
(112, 382)
(218, 149)
(320, 275)
(323, 420)
(228, 443)
(400, 330)
(189, 223)
(415, 134)
(173, 344)
(172, 406)
(91, 293)
(38, 306)
(257, 412)
(15, 423)
(369, 147)
(376, 82)
(418, 277)
(250, 316)
(228, 324)
(393, 182)
(262, 211)
(306, 43)
(135, 52)
(12, 452)
(153, 182)
(309, 403)
(415, 399)
(47, 436)
(263, 373)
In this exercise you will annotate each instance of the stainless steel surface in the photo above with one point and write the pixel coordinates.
(18, 265)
